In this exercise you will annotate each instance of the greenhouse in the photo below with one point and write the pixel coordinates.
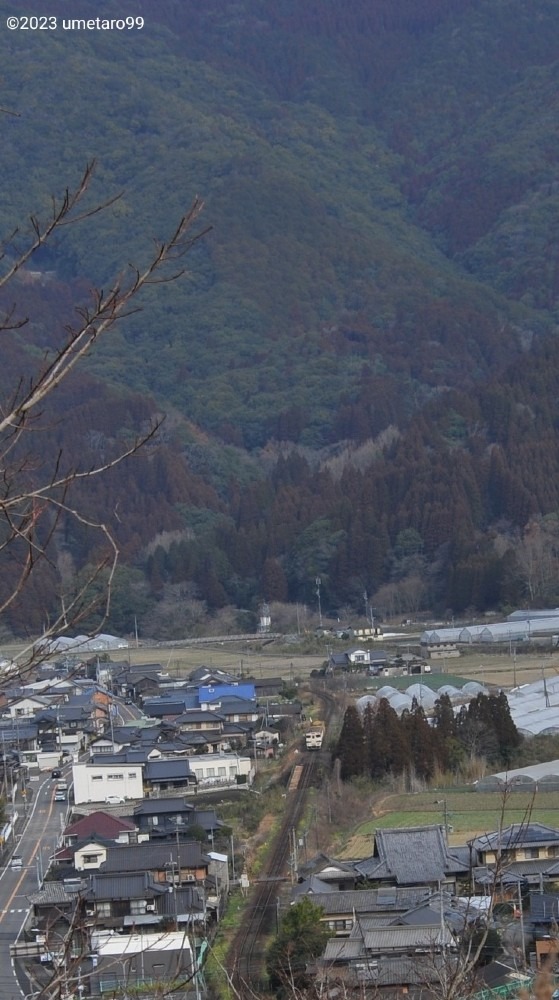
(512, 630)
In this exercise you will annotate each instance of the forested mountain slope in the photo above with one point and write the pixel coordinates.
(360, 370)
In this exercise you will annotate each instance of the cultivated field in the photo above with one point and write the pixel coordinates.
(468, 814)
(487, 667)
(248, 658)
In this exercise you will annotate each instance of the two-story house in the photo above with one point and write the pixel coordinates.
(520, 853)
(175, 863)
(162, 818)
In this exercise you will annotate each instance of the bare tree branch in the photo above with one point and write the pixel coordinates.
(33, 501)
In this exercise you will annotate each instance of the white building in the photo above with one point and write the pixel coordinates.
(221, 769)
(123, 961)
(102, 782)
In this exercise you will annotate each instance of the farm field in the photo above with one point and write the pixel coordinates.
(264, 661)
(492, 668)
(232, 657)
(468, 814)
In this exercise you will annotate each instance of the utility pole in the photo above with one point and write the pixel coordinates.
(521, 909)
(294, 858)
(172, 864)
(318, 582)
(443, 803)
(234, 877)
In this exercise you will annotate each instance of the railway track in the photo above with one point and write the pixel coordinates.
(247, 954)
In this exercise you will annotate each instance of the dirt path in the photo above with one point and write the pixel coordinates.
(378, 803)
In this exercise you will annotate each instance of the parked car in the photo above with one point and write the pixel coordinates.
(114, 800)
(16, 862)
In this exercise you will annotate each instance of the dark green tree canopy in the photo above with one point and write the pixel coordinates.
(301, 938)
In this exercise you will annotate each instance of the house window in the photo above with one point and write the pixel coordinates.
(96, 777)
(115, 777)
(210, 772)
(222, 772)
(90, 859)
(137, 906)
(103, 909)
(339, 925)
(552, 852)
(531, 852)
(132, 775)
(232, 772)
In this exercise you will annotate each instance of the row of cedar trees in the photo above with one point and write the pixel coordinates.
(380, 742)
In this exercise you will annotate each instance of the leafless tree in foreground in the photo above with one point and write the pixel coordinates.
(32, 500)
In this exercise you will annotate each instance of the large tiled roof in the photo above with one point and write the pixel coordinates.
(517, 835)
(418, 971)
(199, 715)
(395, 938)
(137, 885)
(100, 823)
(150, 856)
(365, 901)
(412, 855)
(55, 893)
(386, 971)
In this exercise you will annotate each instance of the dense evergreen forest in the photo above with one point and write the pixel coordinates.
(379, 744)
(359, 373)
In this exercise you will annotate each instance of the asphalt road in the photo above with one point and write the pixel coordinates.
(36, 845)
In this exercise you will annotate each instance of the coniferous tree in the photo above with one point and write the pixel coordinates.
(391, 754)
(350, 748)
(422, 755)
(448, 748)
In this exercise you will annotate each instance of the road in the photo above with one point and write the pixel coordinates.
(35, 846)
